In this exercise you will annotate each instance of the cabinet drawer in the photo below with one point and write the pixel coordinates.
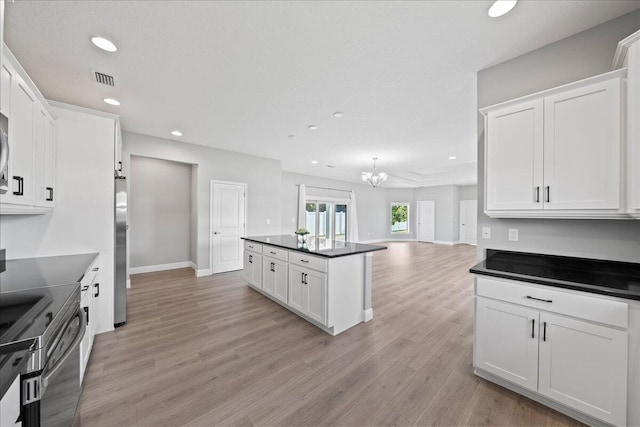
(253, 247)
(563, 302)
(313, 262)
(277, 253)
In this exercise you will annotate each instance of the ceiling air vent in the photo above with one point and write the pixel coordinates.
(102, 78)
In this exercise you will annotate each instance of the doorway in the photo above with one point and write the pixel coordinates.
(228, 210)
(469, 221)
(427, 221)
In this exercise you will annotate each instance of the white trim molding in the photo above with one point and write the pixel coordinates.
(621, 50)
(203, 272)
(159, 267)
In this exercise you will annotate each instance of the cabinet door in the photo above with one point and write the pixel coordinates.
(22, 124)
(95, 307)
(514, 157)
(6, 77)
(582, 148)
(117, 155)
(584, 366)
(507, 341)
(297, 288)
(49, 160)
(316, 296)
(252, 264)
(268, 276)
(44, 158)
(281, 275)
(10, 406)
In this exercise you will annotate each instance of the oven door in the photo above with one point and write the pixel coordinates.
(60, 379)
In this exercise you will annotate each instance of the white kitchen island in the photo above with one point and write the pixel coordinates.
(326, 282)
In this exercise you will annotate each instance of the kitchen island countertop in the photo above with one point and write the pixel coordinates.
(322, 247)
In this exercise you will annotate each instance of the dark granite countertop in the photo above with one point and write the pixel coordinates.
(324, 248)
(613, 278)
(28, 273)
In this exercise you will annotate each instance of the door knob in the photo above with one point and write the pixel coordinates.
(216, 232)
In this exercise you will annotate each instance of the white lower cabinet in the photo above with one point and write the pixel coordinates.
(584, 366)
(274, 278)
(576, 362)
(252, 265)
(507, 341)
(308, 292)
(89, 294)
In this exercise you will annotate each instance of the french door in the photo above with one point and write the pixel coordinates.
(327, 220)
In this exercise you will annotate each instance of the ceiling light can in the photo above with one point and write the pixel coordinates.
(111, 101)
(338, 114)
(501, 7)
(176, 133)
(104, 44)
(313, 127)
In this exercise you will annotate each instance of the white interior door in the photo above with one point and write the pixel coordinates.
(427, 221)
(227, 226)
(469, 221)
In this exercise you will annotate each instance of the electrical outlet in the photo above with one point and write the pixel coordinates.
(268, 221)
(486, 232)
(513, 234)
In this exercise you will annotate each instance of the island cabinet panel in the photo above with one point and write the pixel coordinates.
(274, 278)
(252, 263)
(325, 286)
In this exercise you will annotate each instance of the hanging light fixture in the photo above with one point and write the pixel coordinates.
(374, 178)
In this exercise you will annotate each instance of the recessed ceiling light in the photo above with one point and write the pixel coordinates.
(176, 133)
(501, 7)
(104, 44)
(111, 101)
(313, 127)
(331, 166)
(338, 114)
(314, 162)
(452, 157)
(292, 137)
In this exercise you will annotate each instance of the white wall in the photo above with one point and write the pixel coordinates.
(159, 212)
(583, 55)
(447, 210)
(468, 192)
(263, 177)
(82, 220)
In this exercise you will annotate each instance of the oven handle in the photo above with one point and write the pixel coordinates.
(74, 345)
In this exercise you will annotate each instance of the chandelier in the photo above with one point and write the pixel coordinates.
(374, 178)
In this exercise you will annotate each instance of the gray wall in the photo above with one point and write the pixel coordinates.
(583, 55)
(160, 212)
(371, 203)
(263, 177)
(468, 192)
(374, 206)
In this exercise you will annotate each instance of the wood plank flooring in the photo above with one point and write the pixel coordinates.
(210, 351)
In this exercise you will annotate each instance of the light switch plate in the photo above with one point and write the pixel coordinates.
(486, 232)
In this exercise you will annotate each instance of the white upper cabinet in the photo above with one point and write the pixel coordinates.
(558, 153)
(628, 55)
(582, 147)
(31, 169)
(514, 157)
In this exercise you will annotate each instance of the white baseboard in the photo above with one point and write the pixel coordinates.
(368, 314)
(444, 242)
(159, 267)
(203, 272)
(128, 283)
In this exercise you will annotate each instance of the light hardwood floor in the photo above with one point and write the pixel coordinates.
(211, 351)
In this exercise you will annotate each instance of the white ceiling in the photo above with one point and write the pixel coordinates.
(242, 76)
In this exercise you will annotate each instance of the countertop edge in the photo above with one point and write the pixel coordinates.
(320, 254)
(594, 289)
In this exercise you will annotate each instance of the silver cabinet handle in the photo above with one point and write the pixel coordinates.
(304, 260)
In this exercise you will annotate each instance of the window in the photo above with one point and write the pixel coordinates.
(327, 219)
(399, 217)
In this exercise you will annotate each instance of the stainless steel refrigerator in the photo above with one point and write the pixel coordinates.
(120, 261)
